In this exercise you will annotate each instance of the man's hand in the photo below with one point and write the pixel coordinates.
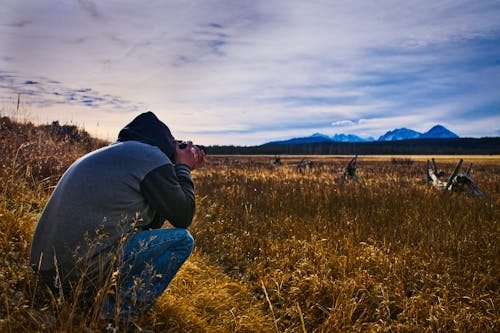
(191, 156)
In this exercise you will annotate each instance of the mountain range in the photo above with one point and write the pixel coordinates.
(436, 132)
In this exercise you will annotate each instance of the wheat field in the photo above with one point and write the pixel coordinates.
(279, 249)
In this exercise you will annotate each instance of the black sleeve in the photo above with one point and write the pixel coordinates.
(170, 191)
(155, 224)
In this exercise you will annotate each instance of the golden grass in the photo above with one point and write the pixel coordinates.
(204, 299)
(384, 253)
(283, 250)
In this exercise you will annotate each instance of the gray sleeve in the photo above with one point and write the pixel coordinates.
(170, 191)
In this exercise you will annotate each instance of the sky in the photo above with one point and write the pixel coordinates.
(247, 72)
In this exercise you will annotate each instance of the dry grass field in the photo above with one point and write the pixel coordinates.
(283, 250)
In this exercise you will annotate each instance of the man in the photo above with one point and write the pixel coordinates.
(105, 216)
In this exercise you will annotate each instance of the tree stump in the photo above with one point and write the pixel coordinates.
(456, 182)
(350, 169)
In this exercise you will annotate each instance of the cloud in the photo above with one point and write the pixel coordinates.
(89, 7)
(343, 123)
(49, 93)
(258, 65)
(18, 24)
(215, 25)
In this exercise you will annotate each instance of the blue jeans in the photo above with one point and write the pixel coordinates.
(150, 260)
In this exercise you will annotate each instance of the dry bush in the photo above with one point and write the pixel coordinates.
(32, 159)
(402, 161)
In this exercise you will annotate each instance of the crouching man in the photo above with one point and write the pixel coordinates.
(105, 215)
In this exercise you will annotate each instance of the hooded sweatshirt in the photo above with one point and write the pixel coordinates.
(104, 196)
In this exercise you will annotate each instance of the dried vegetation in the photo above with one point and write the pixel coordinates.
(281, 250)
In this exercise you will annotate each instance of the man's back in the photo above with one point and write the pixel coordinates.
(96, 201)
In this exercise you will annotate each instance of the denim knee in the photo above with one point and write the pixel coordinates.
(188, 241)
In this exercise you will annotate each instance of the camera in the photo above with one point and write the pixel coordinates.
(183, 144)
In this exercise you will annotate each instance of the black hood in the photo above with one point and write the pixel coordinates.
(147, 128)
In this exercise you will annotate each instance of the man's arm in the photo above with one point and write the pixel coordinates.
(170, 191)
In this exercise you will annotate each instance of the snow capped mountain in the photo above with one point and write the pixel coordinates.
(438, 132)
(320, 135)
(315, 138)
(399, 134)
(350, 138)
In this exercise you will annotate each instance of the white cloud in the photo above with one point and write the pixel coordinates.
(343, 123)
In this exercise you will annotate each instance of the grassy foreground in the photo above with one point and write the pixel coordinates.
(278, 250)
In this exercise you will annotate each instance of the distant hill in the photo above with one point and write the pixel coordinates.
(315, 138)
(400, 134)
(436, 132)
(318, 137)
(349, 138)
